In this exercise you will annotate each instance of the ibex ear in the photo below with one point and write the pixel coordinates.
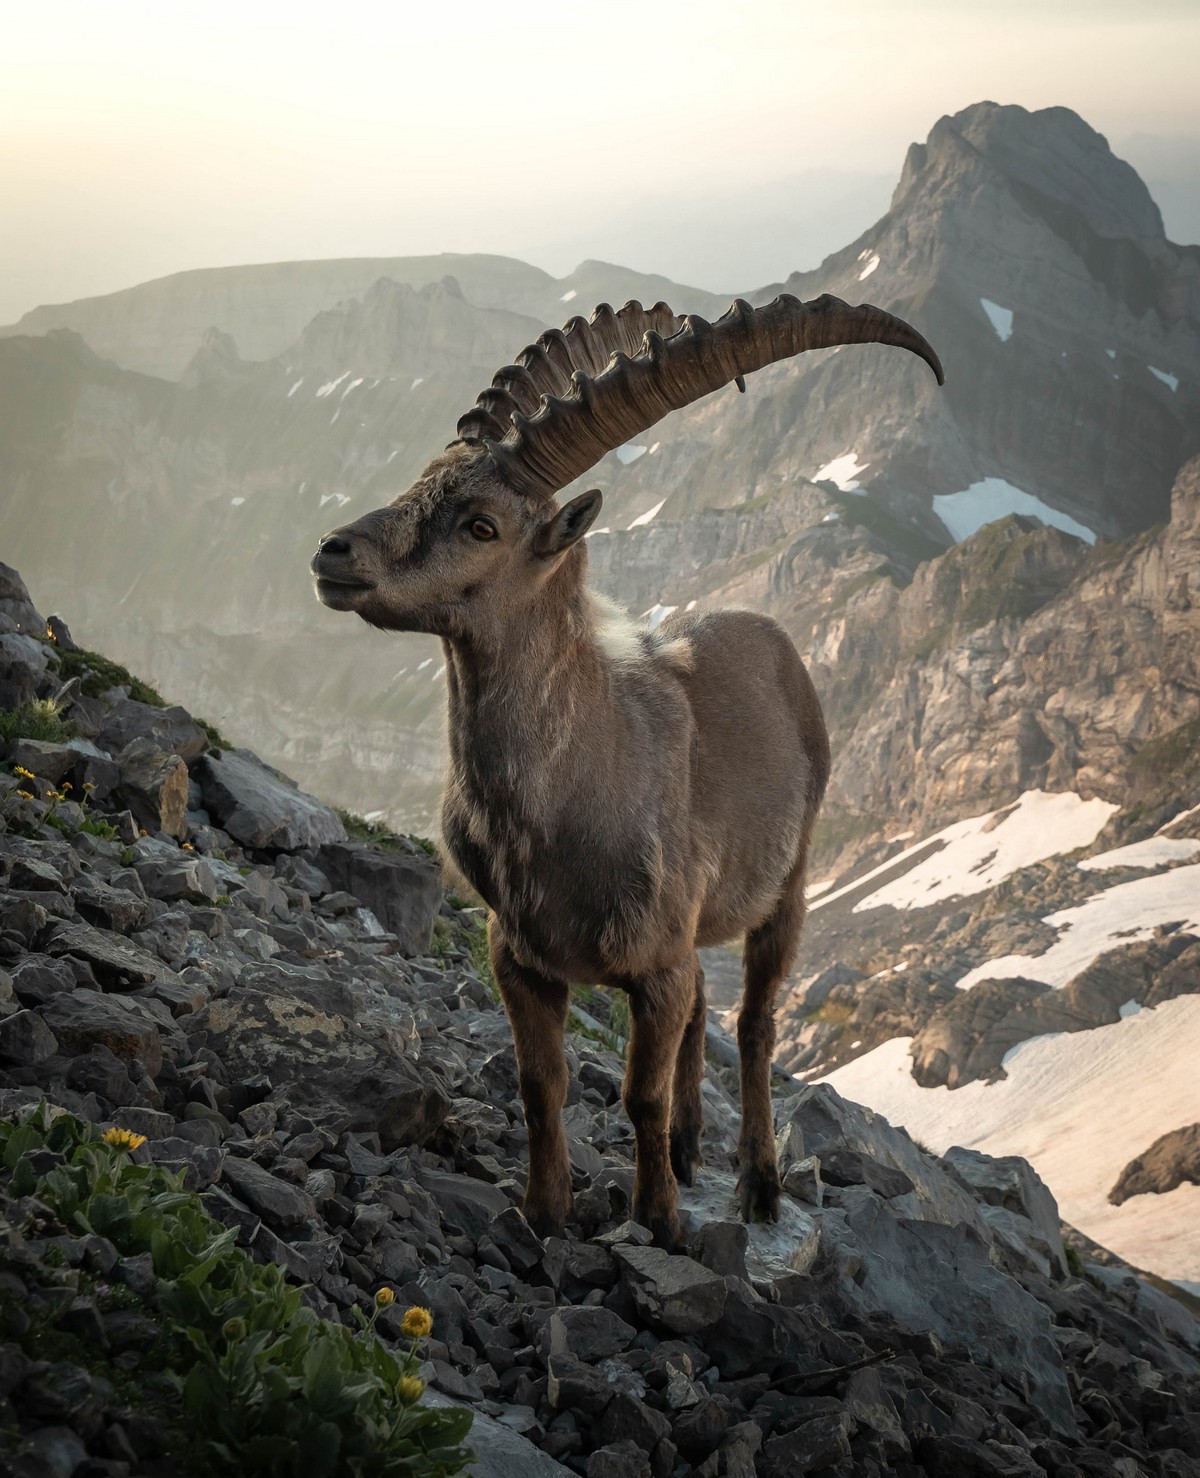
(568, 525)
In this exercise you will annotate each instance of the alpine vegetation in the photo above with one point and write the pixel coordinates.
(618, 795)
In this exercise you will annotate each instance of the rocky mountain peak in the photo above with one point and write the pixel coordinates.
(213, 360)
(1051, 151)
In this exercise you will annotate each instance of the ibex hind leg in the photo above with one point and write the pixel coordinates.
(687, 1108)
(767, 958)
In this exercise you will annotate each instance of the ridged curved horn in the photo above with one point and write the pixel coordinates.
(580, 391)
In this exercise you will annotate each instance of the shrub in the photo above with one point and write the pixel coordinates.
(37, 719)
(253, 1382)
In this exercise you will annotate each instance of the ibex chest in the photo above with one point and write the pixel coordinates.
(571, 901)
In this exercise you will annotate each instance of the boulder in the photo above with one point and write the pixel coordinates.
(153, 786)
(83, 1019)
(675, 1291)
(261, 808)
(170, 729)
(15, 603)
(403, 890)
(311, 1037)
(25, 1038)
(1013, 1185)
(116, 963)
(1171, 1160)
(832, 1124)
(275, 1200)
(932, 1276)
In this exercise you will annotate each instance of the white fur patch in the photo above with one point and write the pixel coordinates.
(619, 635)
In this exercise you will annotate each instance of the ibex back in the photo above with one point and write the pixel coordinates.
(618, 796)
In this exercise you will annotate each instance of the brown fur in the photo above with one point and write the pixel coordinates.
(618, 797)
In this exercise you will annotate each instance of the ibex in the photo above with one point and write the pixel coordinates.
(618, 796)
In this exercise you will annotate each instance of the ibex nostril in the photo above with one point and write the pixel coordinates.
(334, 544)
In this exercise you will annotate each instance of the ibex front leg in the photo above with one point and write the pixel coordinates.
(537, 1010)
(659, 1006)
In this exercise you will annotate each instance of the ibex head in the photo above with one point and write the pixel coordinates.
(480, 531)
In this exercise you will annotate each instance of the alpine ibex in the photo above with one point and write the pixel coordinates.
(619, 796)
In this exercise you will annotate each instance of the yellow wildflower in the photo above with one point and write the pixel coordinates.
(410, 1389)
(26, 795)
(384, 1298)
(21, 770)
(123, 1139)
(66, 785)
(417, 1322)
(187, 847)
(89, 785)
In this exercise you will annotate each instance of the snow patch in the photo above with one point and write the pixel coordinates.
(237, 502)
(1112, 353)
(438, 673)
(1106, 921)
(1156, 851)
(1000, 318)
(331, 385)
(629, 453)
(295, 387)
(569, 296)
(395, 452)
(654, 448)
(1175, 820)
(842, 471)
(591, 533)
(657, 614)
(982, 851)
(421, 666)
(1170, 381)
(644, 518)
(814, 890)
(420, 380)
(351, 385)
(691, 606)
(984, 502)
(872, 262)
(1061, 1107)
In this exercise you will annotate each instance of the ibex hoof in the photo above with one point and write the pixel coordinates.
(685, 1155)
(758, 1193)
(666, 1231)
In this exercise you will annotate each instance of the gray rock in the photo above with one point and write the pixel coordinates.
(928, 1275)
(170, 729)
(499, 1451)
(404, 891)
(25, 1038)
(117, 963)
(469, 1204)
(49, 761)
(188, 879)
(1013, 1184)
(803, 1181)
(276, 1201)
(820, 1443)
(587, 1333)
(675, 1291)
(831, 1123)
(82, 1019)
(153, 786)
(261, 808)
(108, 907)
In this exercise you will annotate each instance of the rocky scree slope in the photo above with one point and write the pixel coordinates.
(301, 1024)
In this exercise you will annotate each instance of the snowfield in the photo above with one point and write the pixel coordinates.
(982, 851)
(1120, 915)
(984, 502)
(1079, 1106)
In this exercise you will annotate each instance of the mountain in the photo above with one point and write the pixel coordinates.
(258, 1096)
(1030, 254)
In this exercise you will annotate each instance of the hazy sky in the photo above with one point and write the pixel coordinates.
(140, 137)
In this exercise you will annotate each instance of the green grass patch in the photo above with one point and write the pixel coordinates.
(867, 514)
(250, 1381)
(97, 674)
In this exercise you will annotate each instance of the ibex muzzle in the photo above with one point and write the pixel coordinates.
(618, 796)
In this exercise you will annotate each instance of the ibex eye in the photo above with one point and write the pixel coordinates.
(483, 528)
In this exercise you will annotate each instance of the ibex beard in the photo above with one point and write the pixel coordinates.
(619, 796)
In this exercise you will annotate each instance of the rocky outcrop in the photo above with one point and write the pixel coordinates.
(1172, 1160)
(1063, 699)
